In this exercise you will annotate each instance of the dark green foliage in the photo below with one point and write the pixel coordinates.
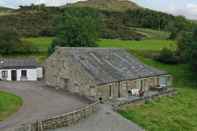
(10, 42)
(77, 28)
(187, 48)
(167, 56)
(31, 22)
(178, 25)
(191, 50)
(147, 18)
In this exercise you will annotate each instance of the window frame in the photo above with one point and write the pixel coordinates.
(4, 74)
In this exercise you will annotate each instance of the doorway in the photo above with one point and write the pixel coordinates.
(14, 75)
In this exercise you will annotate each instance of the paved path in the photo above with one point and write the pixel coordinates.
(39, 102)
(104, 120)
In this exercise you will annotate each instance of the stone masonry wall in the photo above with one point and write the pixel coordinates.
(60, 121)
(59, 71)
(121, 89)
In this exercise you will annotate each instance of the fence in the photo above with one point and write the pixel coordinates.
(142, 100)
(60, 121)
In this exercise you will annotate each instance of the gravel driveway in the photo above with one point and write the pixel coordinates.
(104, 120)
(39, 102)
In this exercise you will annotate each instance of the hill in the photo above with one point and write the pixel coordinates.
(118, 22)
(111, 5)
(4, 9)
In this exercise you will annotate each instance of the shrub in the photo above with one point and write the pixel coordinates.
(10, 43)
(167, 56)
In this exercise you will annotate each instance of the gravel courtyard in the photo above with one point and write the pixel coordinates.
(105, 119)
(39, 102)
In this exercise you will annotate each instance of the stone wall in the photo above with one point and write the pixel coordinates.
(67, 74)
(121, 88)
(60, 121)
(141, 100)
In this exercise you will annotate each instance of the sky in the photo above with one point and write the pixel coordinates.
(187, 8)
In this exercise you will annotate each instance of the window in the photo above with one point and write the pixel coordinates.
(110, 90)
(24, 73)
(4, 74)
(66, 83)
(142, 82)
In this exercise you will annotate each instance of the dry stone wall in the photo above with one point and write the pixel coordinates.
(60, 121)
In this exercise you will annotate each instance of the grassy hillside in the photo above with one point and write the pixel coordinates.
(35, 20)
(154, 45)
(111, 5)
(152, 34)
(4, 9)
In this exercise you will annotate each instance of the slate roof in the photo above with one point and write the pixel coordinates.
(107, 65)
(18, 63)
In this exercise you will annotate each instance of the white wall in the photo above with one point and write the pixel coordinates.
(32, 74)
(9, 74)
(40, 72)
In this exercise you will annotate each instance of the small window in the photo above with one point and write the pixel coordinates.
(110, 90)
(24, 73)
(141, 84)
(4, 74)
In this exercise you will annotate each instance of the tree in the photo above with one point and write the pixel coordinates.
(77, 28)
(167, 56)
(9, 41)
(187, 48)
(191, 50)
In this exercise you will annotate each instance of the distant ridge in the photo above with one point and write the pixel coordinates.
(4, 9)
(112, 5)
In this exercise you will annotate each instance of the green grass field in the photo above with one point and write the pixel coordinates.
(42, 43)
(177, 113)
(9, 104)
(152, 34)
(155, 45)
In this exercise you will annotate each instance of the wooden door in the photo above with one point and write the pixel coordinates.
(13, 75)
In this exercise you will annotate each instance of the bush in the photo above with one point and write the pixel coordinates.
(10, 43)
(167, 56)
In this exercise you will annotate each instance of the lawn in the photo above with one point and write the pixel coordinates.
(9, 104)
(155, 45)
(177, 113)
(152, 34)
(42, 43)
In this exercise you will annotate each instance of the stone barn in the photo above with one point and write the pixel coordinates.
(101, 73)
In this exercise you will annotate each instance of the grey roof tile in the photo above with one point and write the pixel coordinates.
(110, 64)
(9, 63)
